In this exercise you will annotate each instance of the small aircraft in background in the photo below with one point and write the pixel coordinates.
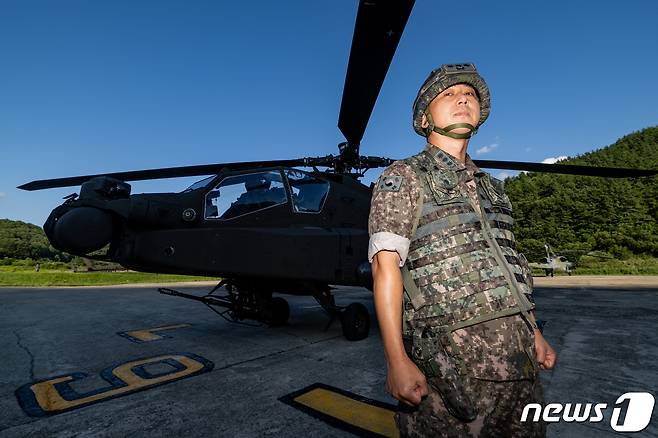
(552, 263)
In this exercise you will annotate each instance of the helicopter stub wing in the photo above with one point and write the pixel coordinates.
(379, 26)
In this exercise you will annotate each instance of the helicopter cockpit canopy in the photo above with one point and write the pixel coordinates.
(239, 195)
(243, 194)
(200, 184)
(308, 192)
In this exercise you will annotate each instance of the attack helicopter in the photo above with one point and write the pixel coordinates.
(264, 227)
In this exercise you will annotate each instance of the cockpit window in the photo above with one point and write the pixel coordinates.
(243, 194)
(199, 184)
(308, 192)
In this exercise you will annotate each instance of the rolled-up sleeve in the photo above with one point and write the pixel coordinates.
(393, 210)
(385, 241)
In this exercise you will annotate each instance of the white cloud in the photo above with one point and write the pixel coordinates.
(553, 160)
(486, 149)
(504, 174)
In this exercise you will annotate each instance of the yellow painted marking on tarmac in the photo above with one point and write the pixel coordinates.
(50, 399)
(354, 412)
(147, 335)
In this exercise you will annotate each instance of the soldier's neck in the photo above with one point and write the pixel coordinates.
(453, 146)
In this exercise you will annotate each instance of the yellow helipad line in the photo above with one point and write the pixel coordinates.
(353, 412)
(147, 335)
(50, 399)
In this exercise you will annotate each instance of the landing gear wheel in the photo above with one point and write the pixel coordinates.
(280, 311)
(355, 321)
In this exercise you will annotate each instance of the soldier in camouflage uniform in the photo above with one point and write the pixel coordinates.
(460, 338)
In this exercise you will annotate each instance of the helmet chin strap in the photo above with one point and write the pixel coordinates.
(446, 130)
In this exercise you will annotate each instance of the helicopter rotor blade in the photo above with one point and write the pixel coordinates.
(328, 161)
(377, 32)
(176, 172)
(568, 169)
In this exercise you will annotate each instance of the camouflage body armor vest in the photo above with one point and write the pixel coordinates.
(463, 268)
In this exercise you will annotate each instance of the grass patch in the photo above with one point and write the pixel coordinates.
(633, 266)
(70, 278)
(24, 274)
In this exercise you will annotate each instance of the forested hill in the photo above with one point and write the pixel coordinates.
(579, 214)
(20, 240)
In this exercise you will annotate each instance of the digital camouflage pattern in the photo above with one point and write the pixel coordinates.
(462, 254)
(500, 349)
(394, 211)
(499, 406)
(428, 353)
(445, 77)
(461, 280)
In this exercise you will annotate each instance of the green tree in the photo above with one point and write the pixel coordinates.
(581, 214)
(20, 240)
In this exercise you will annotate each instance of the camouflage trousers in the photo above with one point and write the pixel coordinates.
(499, 404)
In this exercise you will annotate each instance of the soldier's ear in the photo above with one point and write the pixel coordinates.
(423, 122)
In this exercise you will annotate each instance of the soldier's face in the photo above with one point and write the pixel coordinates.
(457, 104)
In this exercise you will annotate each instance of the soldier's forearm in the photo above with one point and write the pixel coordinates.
(387, 282)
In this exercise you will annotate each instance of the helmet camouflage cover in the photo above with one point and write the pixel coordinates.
(445, 77)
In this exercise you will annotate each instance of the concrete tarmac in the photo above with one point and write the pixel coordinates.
(197, 375)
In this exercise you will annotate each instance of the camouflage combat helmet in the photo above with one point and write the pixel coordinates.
(440, 79)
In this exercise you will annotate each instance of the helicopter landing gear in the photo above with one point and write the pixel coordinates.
(279, 312)
(355, 322)
(354, 319)
(257, 304)
(254, 304)
(254, 301)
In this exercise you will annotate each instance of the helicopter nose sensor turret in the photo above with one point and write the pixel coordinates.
(83, 229)
(86, 224)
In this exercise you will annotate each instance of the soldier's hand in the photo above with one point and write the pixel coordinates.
(405, 382)
(546, 356)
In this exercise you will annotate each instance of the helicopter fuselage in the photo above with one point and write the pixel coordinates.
(280, 225)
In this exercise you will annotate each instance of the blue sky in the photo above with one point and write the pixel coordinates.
(102, 86)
